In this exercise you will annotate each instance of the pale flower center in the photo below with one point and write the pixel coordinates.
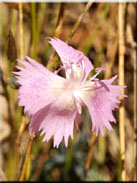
(78, 86)
(75, 89)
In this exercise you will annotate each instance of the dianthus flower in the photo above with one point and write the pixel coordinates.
(55, 102)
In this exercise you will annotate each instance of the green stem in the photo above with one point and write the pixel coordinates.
(74, 28)
(34, 30)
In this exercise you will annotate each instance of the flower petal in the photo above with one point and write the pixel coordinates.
(36, 82)
(99, 69)
(53, 122)
(102, 103)
(70, 55)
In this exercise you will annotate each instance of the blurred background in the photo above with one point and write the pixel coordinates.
(87, 157)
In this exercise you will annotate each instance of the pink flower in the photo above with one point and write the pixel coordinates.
(55, 102)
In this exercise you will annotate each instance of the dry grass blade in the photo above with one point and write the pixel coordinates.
(23, 122)
(135, 106)
(121, 82)
(26, 8)
(90, 154)
(21, 31)
(57, 32)
(60, 20)
(18, 143)
(130, 40)
(75, 26)
(23, 171)
(135, 113)
(112, 50)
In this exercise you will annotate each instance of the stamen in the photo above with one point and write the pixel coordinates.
(98, 70)
(83, 74)
(57, 71)
(92, 78)
(87, 89)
